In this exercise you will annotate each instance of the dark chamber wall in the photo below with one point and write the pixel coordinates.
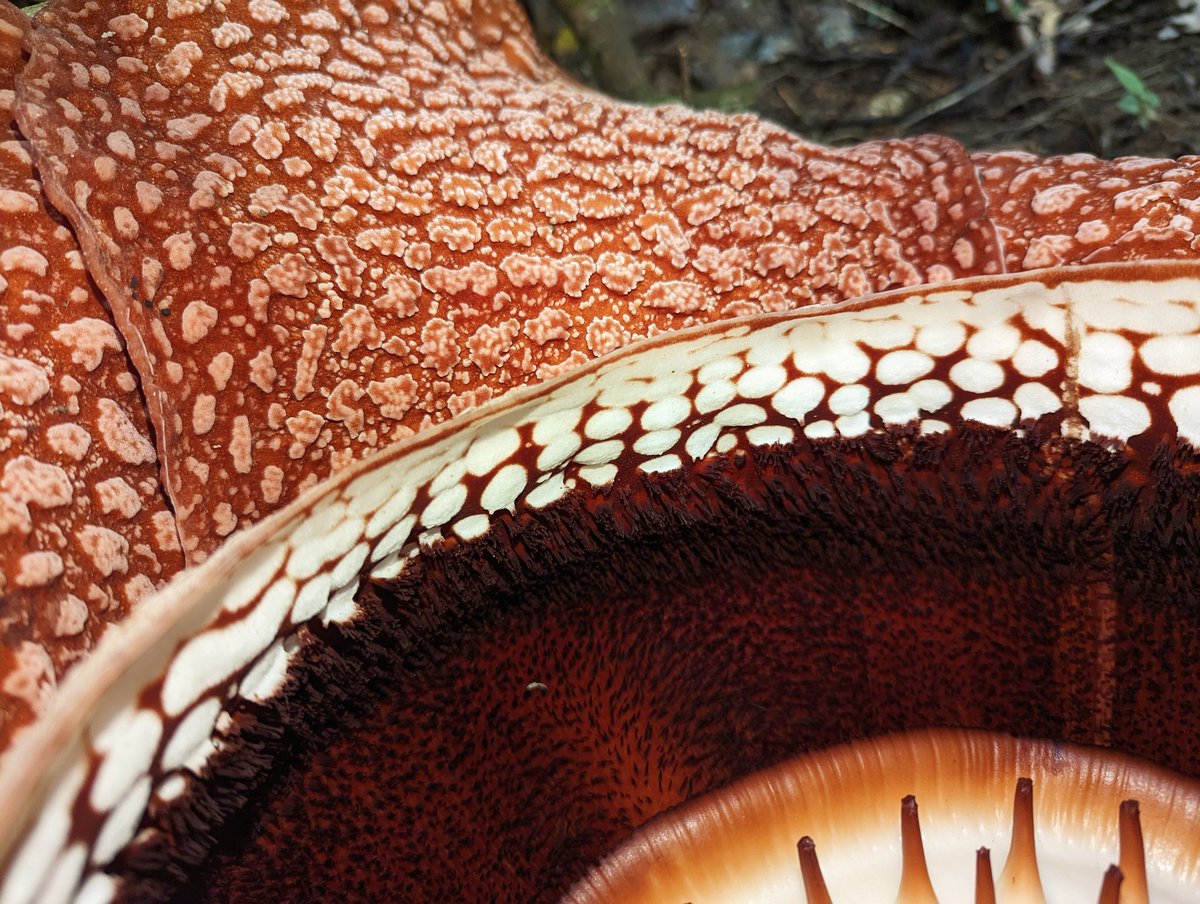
(513, 706)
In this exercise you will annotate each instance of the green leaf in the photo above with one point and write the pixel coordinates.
(1138, 100)
(1129, 79)
(565, 42)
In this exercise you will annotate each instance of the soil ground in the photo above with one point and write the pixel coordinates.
(991, 73)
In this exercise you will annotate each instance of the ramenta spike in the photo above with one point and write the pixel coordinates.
(1110, 890)
(915, 887)
(1020, 879)
(814, 883)
(985, 886)
(1135, 889)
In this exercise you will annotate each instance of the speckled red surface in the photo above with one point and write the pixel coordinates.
(85, 529)
(328, 227)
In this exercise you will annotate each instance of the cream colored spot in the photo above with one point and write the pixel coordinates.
(271, 139)
(1185, 408)
(1035, 400)
(21, 258)
(995, 343)
(121, 144)
(272, 484)
(941, 339)
(37, 569)
(240, 444)
(395, 396)
(204, 414)
(456, 233)
(177, 9)
(105, 168)
(17, 202)
(166, 534)
(1104, 362)
(32, 679)
(223, 520)
(248, 239)
(125, 223)
(1034, 358)
(22, 382)
(268, 12)
(321, 135)
(186, 128)
(290, 276)
(121, 437)
(221, 369)
(176, 65)
(262, 370)
(72, 616)
(128, 27)
(69, 440)
(116, 495)
(227, 34)
(27, 481)
(903, 366)
(87, 339)
(1093, 232)
(1057, 199)
(198, 319)
(1046, 251)
(149, 197)
(995, 412)
(620, 272)
(1176, 356)
(179, 247)
(107, 549)
(605, 334)
(977, 376)
(1114, 416)
(675, 296)
(304, 428)
(310, 356)
(137, 588)
(401, 294)
(439, 345)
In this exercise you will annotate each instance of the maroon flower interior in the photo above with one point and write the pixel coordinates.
(513, 706)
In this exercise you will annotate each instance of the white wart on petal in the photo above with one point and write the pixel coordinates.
(344, 226)
(85, 530)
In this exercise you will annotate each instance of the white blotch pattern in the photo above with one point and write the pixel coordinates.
(994, 351)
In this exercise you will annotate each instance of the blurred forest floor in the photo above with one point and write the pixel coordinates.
(1108, 77)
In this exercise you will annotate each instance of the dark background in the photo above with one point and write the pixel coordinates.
(835, 72)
